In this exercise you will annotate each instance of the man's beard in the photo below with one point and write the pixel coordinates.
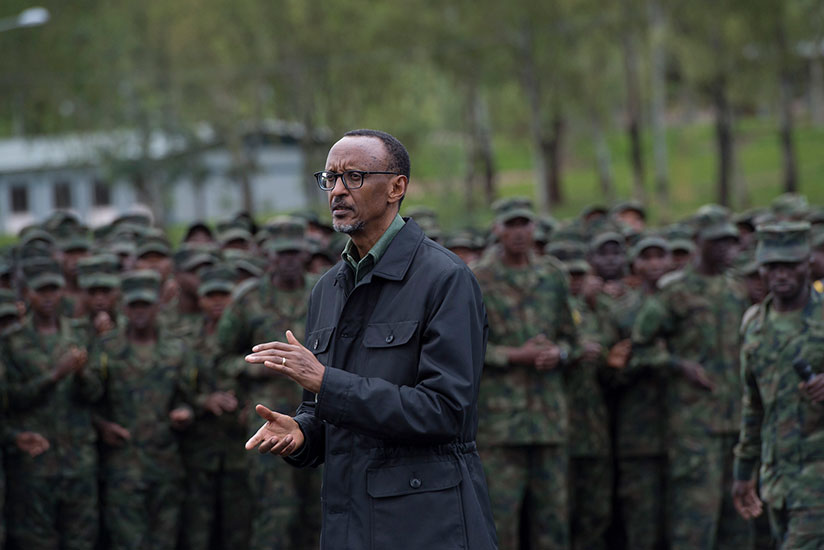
(348, 228)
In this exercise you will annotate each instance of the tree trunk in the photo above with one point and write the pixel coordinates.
(786, 112)
(603, 159)
(481, 162)
(554, 153)
(631, 73)
(723, 138)
(658, 104)
(531, 86)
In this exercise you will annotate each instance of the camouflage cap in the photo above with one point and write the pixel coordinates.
(61, 221)
(197, 226)
(40, 272)
(513, 208)
(594, 209)
(430, 228)
(34, 235)
(680, 237)
(286, 233)
(245, 261)
(790, 206)
(816, 216)
(152, 242)
(139, 218)
(8, 303)
(461, 239)
(712, 222)
(629, 206)
(98, 271)
(217, 278)
(817, 236)
(142, 285)
(570, 232)
(601, 239)
(421, 213)
(234, 234)
(571, 253)
(648, 241)
(783, 242)
(122, 248)
(745, 263)
(191, 257)
(77, 241)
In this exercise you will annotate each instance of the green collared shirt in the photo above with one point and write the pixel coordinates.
(364, 265)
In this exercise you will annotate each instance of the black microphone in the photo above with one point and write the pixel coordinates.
(803, 369)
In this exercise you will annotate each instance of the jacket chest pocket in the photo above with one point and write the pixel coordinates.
(418, 505)
(318, 343)
(389, 347)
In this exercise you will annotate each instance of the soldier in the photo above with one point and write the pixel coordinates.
(262, 310)
(52, 496)
(589, 441)
(143, 369)
(217, 511)
(632, 214)
(640, 414)
(72, 249)
(97, 277)
(523, 424)
(697, 312)
(783, 394)
(183, 309)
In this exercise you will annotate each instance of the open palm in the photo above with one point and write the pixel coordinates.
(281, 435)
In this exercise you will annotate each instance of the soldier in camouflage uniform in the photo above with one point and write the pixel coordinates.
(782, 424)
(589, 441)
(217, 511)
(262, 310)
(523, 418)
(697, 313)
(98, 277)
(144, 370)
(52, 497)
(640, 414)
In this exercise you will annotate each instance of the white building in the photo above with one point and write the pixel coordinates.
(70, 172)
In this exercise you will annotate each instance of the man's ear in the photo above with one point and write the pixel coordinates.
(397, 189)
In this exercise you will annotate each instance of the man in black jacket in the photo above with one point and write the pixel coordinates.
(395, 343)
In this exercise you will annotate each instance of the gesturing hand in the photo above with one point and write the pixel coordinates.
(281, 435)
(300, 364)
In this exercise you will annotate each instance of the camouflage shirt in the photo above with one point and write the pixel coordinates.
(260, 312)
(779, 426)
(143, 383)
(60, 411)
(520, 405)
(698, 317)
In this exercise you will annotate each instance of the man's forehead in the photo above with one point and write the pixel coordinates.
(358, 148)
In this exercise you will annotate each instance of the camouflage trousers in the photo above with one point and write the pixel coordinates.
(641, 500)
(142, 514)
(702, 516)
(280, 493)
(590, 496)
(217, 511)
(798, 529)
(529, 480)
(52, 513)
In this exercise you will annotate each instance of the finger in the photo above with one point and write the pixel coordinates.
(261, 356)
(256, 439)
(290, 337)
(266, 413)
(267, 445)
(281, 346)
(281, 445)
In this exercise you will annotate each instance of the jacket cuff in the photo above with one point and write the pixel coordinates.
(743, 468)
(333, 398)
(301, 458)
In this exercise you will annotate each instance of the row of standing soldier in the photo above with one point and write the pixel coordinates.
(610, 395)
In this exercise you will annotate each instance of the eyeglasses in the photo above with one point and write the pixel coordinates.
(352, 179)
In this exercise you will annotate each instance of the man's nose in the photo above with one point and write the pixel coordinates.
(339, 188)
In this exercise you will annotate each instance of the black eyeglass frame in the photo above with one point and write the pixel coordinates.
(343, 175)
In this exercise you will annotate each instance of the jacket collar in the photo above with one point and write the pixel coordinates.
(395, 262)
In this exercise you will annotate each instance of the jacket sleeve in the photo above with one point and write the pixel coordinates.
(438, 407)
(314, 435)
(748, 449)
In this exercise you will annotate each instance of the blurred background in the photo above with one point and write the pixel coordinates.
(203, 108)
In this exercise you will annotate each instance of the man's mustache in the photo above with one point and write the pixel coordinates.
(340, 205)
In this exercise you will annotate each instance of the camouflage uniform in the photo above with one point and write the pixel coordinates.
(260, 313)
(780, 427)
(8, 307)
(52, 498)
(523, 418)
(697, 316)
(217, 511)
(142, 478)
(589, 440)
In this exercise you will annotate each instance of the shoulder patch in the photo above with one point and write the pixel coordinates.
(819, 286)
(670, 278)
(244, 288)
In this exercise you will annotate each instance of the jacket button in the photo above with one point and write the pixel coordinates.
(415, 483)
(345, 335)
(315, 345)
(389, 339)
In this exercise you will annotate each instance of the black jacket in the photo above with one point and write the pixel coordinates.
(396, 416)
